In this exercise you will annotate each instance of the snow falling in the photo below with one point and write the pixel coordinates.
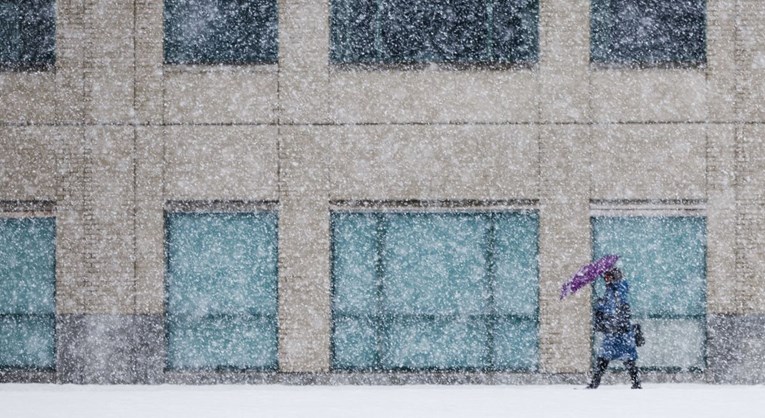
(379, 192)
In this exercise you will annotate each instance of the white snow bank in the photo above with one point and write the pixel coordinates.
(665, 400)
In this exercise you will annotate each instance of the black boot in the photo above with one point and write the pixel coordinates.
(601, 365)
(634, 374)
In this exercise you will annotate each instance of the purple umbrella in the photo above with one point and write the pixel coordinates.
(587, 274)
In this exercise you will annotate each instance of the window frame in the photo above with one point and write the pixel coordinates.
(687, 208)
(380, 209)
(215, 207)
(36, 210)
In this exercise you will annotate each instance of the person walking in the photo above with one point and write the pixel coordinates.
(612, 318)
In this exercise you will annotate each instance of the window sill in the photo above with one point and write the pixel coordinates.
(638, 66)
(27, 68)
(220, 68)
(432, 67)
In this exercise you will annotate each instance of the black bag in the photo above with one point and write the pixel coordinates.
(599, 322)
(639, 338)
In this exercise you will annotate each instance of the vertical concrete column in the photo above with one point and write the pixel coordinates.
(722, 279)
(149, 40)
(721, 60)
(749, 35)
(565, 244)
(70, 39)
(96, 327)
(564, 43)
(304, 286)
(750, 219)
(303, 60)
(149, 256)
(109, 63)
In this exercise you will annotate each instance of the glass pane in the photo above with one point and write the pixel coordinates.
(444, 31)
(516, 344)
(447, 31)
(27, 265)
(27, 341)
(38, 32)
(355, 343)
(354, 259)
(435, 264)
(241, 342)
(664, 259)
(648, 31)
(673, 343)
(221, 31)
(354, 25)
(517, 272)
(515, 30)
(436, 344)
(222, 263)
(10, 33)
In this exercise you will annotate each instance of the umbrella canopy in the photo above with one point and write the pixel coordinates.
(587, 274)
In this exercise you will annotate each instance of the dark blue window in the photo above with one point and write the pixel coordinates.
(27, 293)
(426, 31)
(27, 34)
(221, 31)
(664, 260)
(441, 291)
(221, 290)
(648, 32)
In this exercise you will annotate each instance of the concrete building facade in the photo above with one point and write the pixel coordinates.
(111, 139)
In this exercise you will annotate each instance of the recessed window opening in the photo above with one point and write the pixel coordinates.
(662, 250)
(27, 286)
(221, 285)
(434, 289)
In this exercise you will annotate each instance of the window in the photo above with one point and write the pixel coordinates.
(648, 32)
(27, 34)
(426, 31)
(664, 259)
(435, 291)
(27, 292)
(221, 290)
(221, 32)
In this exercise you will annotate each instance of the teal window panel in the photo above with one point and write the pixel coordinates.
(423, 31)
(27, 292)
(648, 32)
(222, 290)
(28, 341)
(516, 291)
(436, 343)
(516, 344)
(435, 264)
(221, 32)
(355, 262)
(355, 343)
(404, 283)
(225, 342)
(664, 260)
(27, 34)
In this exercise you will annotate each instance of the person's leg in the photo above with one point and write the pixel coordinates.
(634, 373)
(601, 365)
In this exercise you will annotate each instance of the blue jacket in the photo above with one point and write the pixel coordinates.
(612, 318)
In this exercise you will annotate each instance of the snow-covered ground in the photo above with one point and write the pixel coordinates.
(665, 400)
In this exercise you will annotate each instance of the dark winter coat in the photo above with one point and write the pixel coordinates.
(612, 318)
